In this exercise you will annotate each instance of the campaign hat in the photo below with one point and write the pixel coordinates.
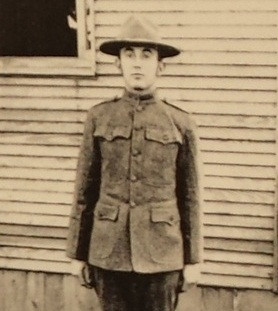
(138, 31)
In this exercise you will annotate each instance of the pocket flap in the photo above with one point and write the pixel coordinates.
(163, 136)
(106, 212)
(111, 132)
(168, 215)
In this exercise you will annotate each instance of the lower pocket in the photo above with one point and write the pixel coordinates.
(105, 228)
(165, 235)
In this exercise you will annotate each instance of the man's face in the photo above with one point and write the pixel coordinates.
(140, 67)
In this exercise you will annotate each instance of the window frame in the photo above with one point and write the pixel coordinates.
(84, 64)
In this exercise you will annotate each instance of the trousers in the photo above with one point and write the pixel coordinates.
(131, 291)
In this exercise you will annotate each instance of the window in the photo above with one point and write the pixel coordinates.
(46, 37)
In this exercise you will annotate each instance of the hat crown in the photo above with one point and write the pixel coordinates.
(138, 31)
(137, 27)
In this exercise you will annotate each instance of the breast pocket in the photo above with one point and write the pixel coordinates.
(114, 142)
(160, 154)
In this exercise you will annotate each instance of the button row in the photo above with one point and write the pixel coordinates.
(135, 152)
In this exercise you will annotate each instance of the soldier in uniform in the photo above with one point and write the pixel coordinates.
(135, 223)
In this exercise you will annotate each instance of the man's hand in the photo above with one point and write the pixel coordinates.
(82, 270)
(192, 274)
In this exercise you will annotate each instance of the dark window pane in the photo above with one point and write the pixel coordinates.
(36, 28)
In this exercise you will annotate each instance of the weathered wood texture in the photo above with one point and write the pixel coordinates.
(38, 291)
(225, 75)
(30, 291)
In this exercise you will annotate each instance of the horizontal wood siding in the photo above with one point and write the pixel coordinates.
(225, 75)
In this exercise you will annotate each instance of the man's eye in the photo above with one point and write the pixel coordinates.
(128, 53)
(147, 53)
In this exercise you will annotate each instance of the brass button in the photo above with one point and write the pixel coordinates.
(133, 178)
(135, 152)
(132, 204)
(137, 127)
(165, 137)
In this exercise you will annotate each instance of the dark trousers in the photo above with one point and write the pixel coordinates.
(131, 291)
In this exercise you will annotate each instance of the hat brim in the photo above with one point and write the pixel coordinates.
(113, 47)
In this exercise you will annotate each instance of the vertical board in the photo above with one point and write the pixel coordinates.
(28, 291)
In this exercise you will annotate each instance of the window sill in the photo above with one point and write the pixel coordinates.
(46, 66)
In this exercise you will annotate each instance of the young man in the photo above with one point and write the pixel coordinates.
(135, 222)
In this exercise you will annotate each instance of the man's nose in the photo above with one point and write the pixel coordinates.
(137, 61)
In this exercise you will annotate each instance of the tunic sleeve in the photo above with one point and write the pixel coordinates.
(190, 194)
(86, 194)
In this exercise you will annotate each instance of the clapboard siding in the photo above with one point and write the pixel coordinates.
(194, 18)
(216, 45)
(34, 231)
(210, 181)
(203, 106)
(175, 93)
(265, 84)
(226, 76)
(188, 5)
(202, 31)
(217, 120)
(40, 208)
(204, 70)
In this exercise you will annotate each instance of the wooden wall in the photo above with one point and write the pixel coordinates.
(226, 76)
(37, 291)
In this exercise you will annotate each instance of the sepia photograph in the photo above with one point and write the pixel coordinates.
(138, 155)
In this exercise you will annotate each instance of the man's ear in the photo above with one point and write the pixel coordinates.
(161, 67)
(118, 63)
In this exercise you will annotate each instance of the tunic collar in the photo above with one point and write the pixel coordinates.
(135, 98)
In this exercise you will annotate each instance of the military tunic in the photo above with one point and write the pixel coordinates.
(137, 203)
